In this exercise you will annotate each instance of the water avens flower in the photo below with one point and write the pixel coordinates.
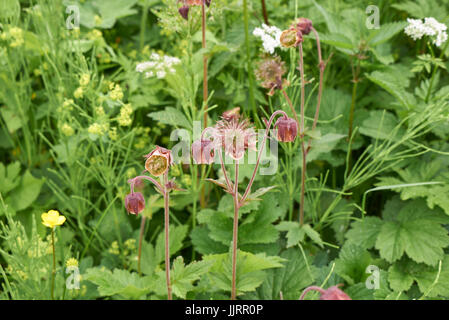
(184, 12)
(270, 72)
(158, 161)
(135, 203)
(289, 38)
(332, 293)
(203, 151)
(287, 129)
(52, 219)
(235, 136)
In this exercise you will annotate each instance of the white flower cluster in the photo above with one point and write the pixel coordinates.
(158, 66)
(270, 37)
(417, 29)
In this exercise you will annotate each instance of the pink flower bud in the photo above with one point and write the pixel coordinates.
(208, 2)
(304, 25)
(287, 129)
(184, 12)
(203, 151)
(135, 202)
(334, 293)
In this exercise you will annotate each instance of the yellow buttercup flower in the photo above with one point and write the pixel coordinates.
(52, 219)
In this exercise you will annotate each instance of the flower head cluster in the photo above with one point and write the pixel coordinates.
(235, 135)
(159, 66)
(270, 36)
(116, 92)
(124, 118)
(270, 72)
(417, 29)
(98, 129)
(52, 219)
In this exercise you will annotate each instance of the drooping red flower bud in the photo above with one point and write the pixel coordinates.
(208, 2)
(203, 151)
(135, 202)
(304, 25)
(332, 293)
(158, 161)
(184, 12)
(287, 129)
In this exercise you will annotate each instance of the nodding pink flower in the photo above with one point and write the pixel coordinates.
(332, 293)
(289, 38)
(287, 129)
(135, 202)
(304, 25)
(158, 161)
(184, 12)
(208, 2)
(203, 151)
(236, 136)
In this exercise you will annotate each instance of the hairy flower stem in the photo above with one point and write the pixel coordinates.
(235, 230)
(139, 254)
(167, 237)
(53, 272)
(264, 12)
(312, 288)
(301, 135)
(291, 106)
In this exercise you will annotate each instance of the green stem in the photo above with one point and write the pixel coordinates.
(139, 255)
(143, 23)
(167, 238)
(252, 99)
(53, 273)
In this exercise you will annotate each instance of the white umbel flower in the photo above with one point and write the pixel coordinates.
(417, 29)
(270, 36)
(158, 66)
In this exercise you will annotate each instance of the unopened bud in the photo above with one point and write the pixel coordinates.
(287, 129)
(135, 203)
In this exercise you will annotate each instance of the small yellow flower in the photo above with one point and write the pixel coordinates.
(84, 80)
(78, 93)
(67, 130)
(52, 219)
(72, 262)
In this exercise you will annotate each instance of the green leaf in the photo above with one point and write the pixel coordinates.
(177, 236)
(204, 244)
(386, 32)
(9, 9)
(26, 193)
(171, 116)
(415, 231)
(182, 277)
(365, 232)
(285, 279)
(250, 268)
(399, 280)
(379, 125)
(119, 282)
(9, 177)
(352, 262)
(324, 145)
(312, 234)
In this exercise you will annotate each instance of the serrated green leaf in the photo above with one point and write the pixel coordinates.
(177, 236)
(364, 232)
(352, 262)
(171, 116)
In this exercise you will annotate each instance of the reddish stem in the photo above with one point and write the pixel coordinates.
(167, 237)
(267, 130)
(314, 288)
(235, 230)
